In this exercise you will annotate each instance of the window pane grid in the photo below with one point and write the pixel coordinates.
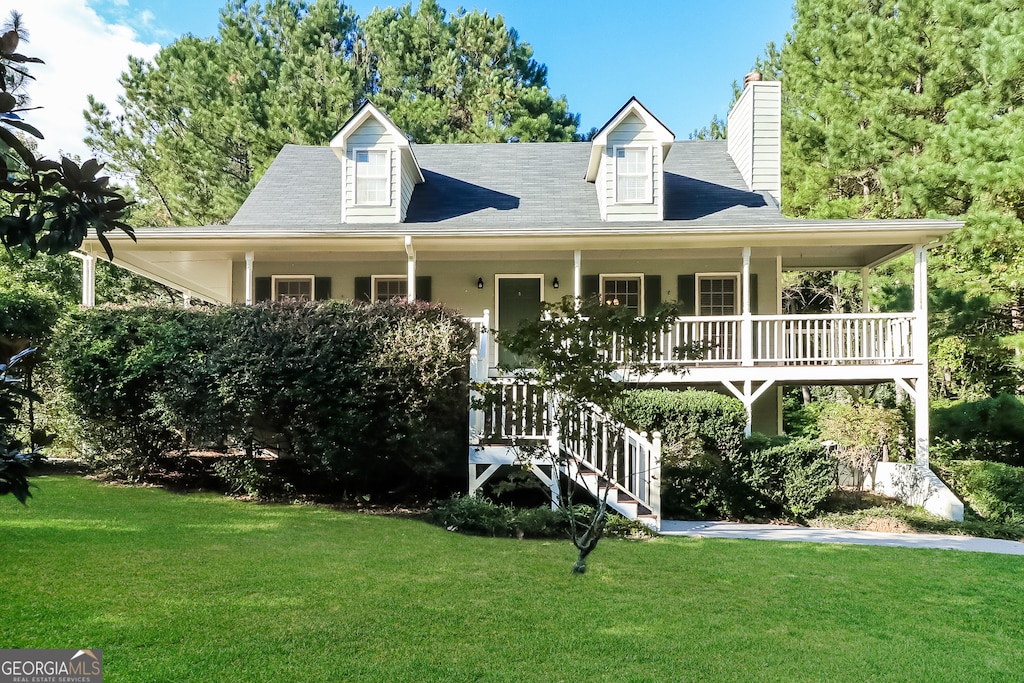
(371, 177)
(390, 288)
(293, 291)
(622, 292)
(718, 296)
(632, 172)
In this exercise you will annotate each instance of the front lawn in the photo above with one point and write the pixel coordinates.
(205, 588)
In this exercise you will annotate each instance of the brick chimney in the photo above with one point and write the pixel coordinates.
(755, 135)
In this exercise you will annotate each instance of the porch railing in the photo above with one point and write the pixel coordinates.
(826, 339)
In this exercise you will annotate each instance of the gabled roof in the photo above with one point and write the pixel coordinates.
(496, 186)
(367, 111)
(633, 107)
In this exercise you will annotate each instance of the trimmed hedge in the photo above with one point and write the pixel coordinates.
(365, 398)
(710, 470)
(702, 433)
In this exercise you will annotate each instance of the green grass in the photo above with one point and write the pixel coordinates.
(205, 588)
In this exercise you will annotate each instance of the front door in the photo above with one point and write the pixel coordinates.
(519, 300)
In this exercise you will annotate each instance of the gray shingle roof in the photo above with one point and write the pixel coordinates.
(506, 185)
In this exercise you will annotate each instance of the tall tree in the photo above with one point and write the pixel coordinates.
(912, 108)
(464, 77)
(204, 120)
(48, 207)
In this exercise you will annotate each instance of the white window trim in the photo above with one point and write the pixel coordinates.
(649, 174)
(624, 276)
(274, 279)
(737, 277)
(375, 278)
(386, 151)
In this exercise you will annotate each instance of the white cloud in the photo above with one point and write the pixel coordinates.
(84, 55)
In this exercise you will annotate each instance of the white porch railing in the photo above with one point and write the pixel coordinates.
(845, 338)
(607, 459)
(825, 339)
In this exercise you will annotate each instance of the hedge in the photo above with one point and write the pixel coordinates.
(364, 398)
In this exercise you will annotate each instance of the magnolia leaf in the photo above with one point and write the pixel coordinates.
(31, 130)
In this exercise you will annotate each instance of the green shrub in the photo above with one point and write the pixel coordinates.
(994, 490)
(480, 515)
(473, 515)
(364, 398)
(244, 475)
(792, 476)
(702, 432)
(989, 429)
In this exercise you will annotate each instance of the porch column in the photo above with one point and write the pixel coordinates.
(920, 344)
(747, 324)
(577, 277)
(186, 298)
(864, 293)
(249, 257)
(88, 278)
(410, 268)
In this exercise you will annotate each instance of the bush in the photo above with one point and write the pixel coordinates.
(368, 398)
(989, 429)
(701, 435)
(480, 515)
(792, 476)
(994, 490)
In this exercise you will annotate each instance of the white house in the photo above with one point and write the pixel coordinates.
(634, 216)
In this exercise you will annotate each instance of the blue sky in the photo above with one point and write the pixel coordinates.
(679, 57)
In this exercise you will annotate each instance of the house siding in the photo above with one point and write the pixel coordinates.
(370, 135)
(408, 184)
(755, 133)
(632, 131)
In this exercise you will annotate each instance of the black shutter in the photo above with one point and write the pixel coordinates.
(652, 293)
(363, 285)
(321, 288)
(262, 289)
(753, 293)
(423, 288)
(591, 285)
(686, 292)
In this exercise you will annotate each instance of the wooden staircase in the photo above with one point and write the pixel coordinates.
(603, 458)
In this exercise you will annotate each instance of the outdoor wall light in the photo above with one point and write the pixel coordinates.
(479, 283)
(554, 283)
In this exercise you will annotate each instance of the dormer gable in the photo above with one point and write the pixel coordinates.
(627, 158)
(379, 168)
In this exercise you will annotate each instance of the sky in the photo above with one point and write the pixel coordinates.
(679, 57)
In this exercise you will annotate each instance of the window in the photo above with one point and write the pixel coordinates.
(293, 288)
(622, 290)
(390, 287)
(632, 175)
(372, 176)
(717, 295)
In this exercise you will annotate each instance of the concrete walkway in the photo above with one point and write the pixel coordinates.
(775, 532)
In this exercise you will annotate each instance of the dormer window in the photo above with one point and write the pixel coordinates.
(372, 176)
(633, 175)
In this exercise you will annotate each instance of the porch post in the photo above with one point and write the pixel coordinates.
(89, 280)
(747, 324)
(577, 277)
(186, 298)
(249, 256)
(920, 344)
(864, 294)
(410, 268)
(88, 277)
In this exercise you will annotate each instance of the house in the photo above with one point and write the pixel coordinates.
(634, 216)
